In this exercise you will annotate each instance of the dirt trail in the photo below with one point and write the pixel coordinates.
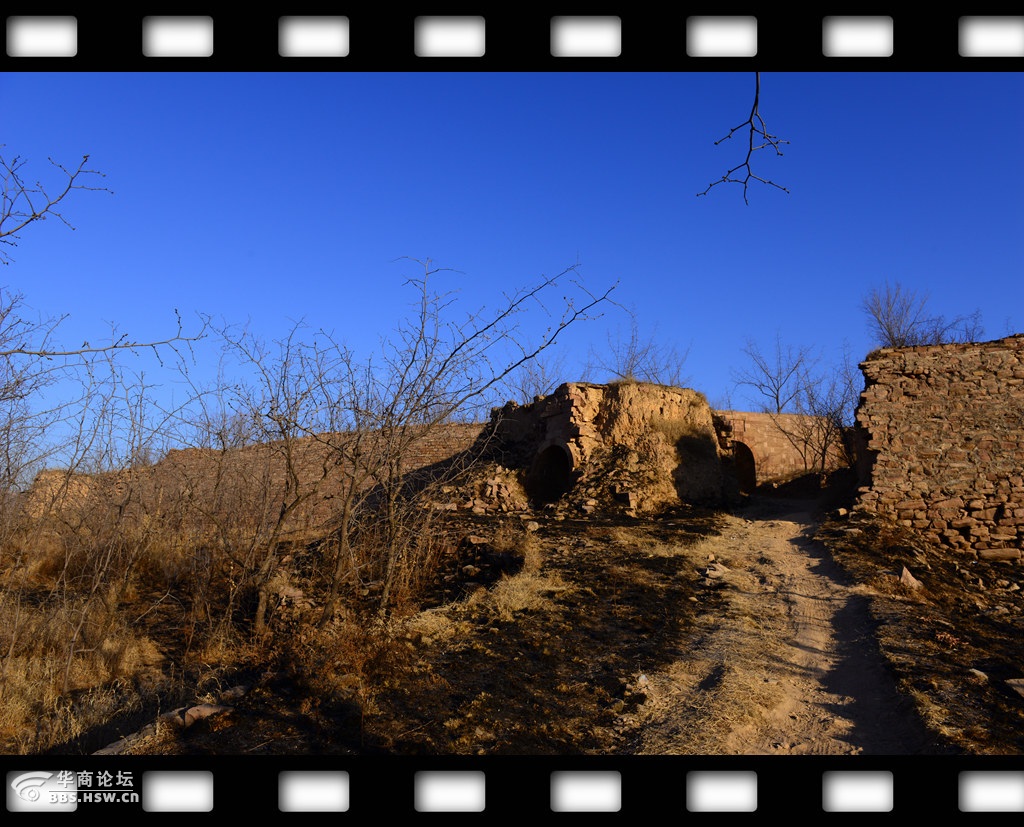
(789, 666)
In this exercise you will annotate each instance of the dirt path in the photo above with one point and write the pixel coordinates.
(789, 666)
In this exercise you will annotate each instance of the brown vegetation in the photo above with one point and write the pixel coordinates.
(543, 632)
(290, 497)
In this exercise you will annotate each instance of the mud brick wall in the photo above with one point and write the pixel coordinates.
(781, 445)
(442, 443)
(943, 429)
(237, 480)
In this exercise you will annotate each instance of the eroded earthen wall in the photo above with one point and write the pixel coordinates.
(251, 481)
(943, 429)
(646, 445)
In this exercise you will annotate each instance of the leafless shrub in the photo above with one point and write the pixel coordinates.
(794, 380)
(900, 317)
(634, 358)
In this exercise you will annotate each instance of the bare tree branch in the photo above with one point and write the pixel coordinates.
(22, 203)
(758, 138)
(535, 379)
(122, 342)
(777, 377)
(638, 359)
(900, 317)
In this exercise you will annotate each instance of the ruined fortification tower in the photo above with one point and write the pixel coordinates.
(642, 445)
(942, 434)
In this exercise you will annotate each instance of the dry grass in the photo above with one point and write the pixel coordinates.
(675, 430)
(513, 538)
(432, 626)
(528, 589)
(524, 592)
(699, 551)
(55, 686)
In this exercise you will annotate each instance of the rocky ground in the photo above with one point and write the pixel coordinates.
(782, 626)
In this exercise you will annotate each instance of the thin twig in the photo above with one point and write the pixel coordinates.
(758, 132)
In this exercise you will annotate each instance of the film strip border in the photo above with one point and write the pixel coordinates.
(376, 787)
(373, 787)
(384, 39)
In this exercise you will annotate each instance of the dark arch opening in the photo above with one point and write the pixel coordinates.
(550, 478)
(746, 468)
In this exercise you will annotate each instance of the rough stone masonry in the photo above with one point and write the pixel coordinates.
(941, 430)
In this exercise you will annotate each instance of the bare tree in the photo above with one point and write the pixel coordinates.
(432, 369)
(778, 377)
(792, 381)
(538, 377)
(336, 437)
(758, 137)
(23, 202)
(827, 400)
(900, 317)
(635, 358)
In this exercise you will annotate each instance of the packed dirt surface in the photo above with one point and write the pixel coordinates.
(777, 628)
(789, 665)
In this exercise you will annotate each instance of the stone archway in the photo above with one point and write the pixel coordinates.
(550, 477)
(746, 467)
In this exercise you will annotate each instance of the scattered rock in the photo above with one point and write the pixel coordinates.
(198, 713)
(908, 580)
(999, 554)
(233, 694)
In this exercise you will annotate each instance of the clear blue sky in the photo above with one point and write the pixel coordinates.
(270, 198)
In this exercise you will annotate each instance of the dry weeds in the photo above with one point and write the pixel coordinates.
(585, 636)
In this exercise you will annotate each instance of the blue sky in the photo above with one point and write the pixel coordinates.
(269, 198)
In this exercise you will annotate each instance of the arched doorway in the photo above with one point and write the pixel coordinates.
(551, 475)
(746, 468)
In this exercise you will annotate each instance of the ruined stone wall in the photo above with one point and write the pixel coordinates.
(943, 429)
(636, 446)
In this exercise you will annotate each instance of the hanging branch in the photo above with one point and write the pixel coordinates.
(760, 138)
